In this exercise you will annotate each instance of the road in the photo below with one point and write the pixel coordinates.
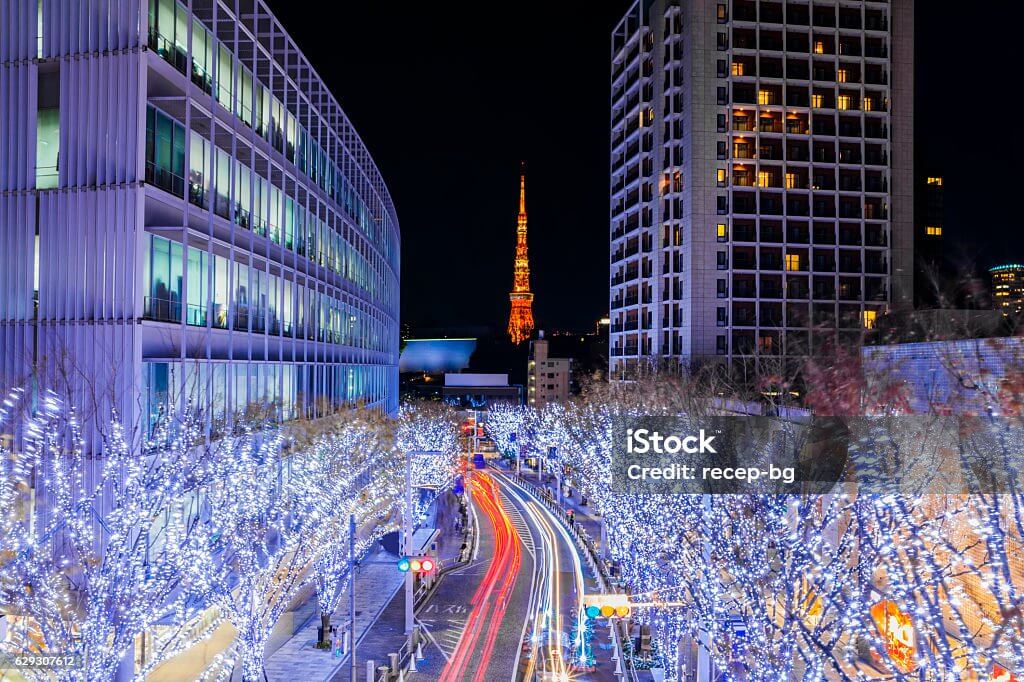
(515, 611)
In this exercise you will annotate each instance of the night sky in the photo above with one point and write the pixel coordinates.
(449, 98)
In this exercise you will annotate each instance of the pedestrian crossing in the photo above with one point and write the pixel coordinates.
(519, 522)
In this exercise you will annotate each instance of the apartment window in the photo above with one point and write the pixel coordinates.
(868, 104)
(870, 318)
(844, 101)
(722, 123)
(934, 231)
(723, 232)
(723, 41)
(841, 75)
(935, 181)
(720, 345)
(722, 317)
(723, 150)
(790, 180)
(764, 179)
(723, 261)
(723, 69)
(737, 68)
(723, 205)
(819, 47)
(164, 278)
(722, 289)
(722, 177)
(199, 169)
(765, 97)
(723, 95)
(792, 262)
(817, 101)
(723, 13)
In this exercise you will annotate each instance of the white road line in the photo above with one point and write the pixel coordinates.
(426, 631)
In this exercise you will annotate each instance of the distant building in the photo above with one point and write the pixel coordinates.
(1008, 288)
(435, 355)
(478, 391)
(932, 268)
(548, 378)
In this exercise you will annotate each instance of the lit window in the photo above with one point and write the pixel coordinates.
(790, 180)
(764, 178)
(817, 101)
(934, 231)
(870, 316)
(722, 177)
(841, 75)
(764, 97)
(844, 101)
(935, 181)
(868, 104)
(793, 262)
(737, 68)
(723, 231)
(819, 47)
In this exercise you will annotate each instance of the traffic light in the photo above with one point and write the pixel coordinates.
(419, 565)
(607, 606)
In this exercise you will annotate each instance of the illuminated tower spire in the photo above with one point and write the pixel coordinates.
(520, 321)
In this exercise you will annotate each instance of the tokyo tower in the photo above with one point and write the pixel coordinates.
(520, 321)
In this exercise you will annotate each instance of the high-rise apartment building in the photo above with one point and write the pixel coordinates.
(187, 213)
(761, 177)
(1008, 288)
(932, 272)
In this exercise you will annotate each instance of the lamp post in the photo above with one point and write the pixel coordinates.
(352, 592)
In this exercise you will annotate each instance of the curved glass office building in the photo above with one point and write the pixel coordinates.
(186, 213)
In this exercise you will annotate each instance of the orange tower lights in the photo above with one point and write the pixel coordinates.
(520, 321)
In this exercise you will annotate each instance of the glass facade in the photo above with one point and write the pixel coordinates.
(47, 147)
(280, 245)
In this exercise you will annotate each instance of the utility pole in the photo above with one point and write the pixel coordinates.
(352, 592)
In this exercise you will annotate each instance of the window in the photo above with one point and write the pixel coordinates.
(723, 69)
(816, 101)
(870, 318)
(844, 101)
(199, 170)
(723, 150)
(721, 347)
(722, 317)
(47, 147)
(723, 13)
(198, 267)
(934, 231)
(722, 177)
(723, 41)
(723, 95)
(163, 273)
(224, 82)
(737, 68)
(764, 179)
(765, 97)
(790, 180)
(721, 123)
(935, 181)
(793, 262)
(723, 205)
(868, 105)
(722, 290)
(841, 75)
(165, 152)
(819, 47)
(723, 232)
(723, 260)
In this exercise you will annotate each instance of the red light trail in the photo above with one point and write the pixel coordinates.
(491, 598)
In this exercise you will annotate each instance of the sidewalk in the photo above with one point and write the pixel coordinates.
(377, 581)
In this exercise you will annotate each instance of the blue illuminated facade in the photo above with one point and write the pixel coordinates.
(186, 214)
